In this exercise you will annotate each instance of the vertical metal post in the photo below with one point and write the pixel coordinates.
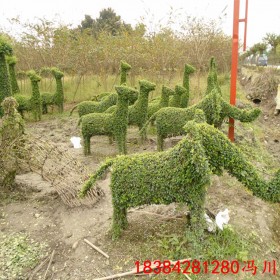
(234, 57)
(234, 64)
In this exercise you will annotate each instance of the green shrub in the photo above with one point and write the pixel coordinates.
(12, 60)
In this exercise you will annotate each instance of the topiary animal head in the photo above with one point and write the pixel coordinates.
(179, 90)
(125, 66)
(57, 73)
(189, 69)
(148, 86)
(124, 92)
(11, 60)
(9, 105)
(33, 76)
(5, 47)
(167, 91)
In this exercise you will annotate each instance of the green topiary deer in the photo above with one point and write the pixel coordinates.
(137, 113)
(186, 84)
(114, 125)
(170, 121)
(108, 99)
(5, 84)
(12, 60)
(35, 102)
(180, 174)
(50, 99)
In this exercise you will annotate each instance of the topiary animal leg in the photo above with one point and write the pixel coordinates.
(86, 145)
(119, 221)
(160, 142)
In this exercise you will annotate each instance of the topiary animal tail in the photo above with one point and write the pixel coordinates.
(96, 176)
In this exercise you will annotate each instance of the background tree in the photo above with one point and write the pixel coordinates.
(273, 40)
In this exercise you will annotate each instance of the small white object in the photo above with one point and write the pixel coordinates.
(76, 141)
(222, 219)
(210, 224)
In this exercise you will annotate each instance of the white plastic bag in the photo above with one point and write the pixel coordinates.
(222, 219)
(76, 141)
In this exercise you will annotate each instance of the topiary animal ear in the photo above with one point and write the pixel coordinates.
(125, 66)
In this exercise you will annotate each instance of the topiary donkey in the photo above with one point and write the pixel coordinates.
(114, 125)
(12, 60)
(180, 174)
(170, 121)
(186, 84)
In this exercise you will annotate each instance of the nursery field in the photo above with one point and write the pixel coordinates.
(42, 238)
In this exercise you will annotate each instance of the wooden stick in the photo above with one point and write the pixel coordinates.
(51, 259)
(135, 271)
(38, 268)
(96, 248)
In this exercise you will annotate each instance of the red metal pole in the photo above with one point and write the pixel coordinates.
(234, 64)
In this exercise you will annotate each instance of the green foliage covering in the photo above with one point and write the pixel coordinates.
(35, 100)
(175, 101)
(212, 79)
(180, 174)
(170, 121)
(12, 60)
(23, 103)
(164, 100)
(186, 84)
(5, 85)
(114, 125)
(58, 97)
(11, 129)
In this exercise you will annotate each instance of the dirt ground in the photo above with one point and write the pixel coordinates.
(39, 212)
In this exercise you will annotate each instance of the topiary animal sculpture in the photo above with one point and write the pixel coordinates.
(35, 102)
(170, 121)
(164, 100)
(186, 84)
(175, 101)
(5, 84)
(137, 113)
(108, 99)
(180, 174)
(50, 99)
(114, 125)
(12, 60)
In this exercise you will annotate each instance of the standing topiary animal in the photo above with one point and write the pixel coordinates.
(12, 60)
(212, 78)
(114, 125)
(35, 101)
(108, 99)
(164, 100)
(180, 174)
(50, 99)
(186, 84)
(170, 121)
(137, 113)
(5, 84)
(175, 101)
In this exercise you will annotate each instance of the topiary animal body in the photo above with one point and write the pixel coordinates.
(5, 84)
(175, 101)
(114, 125)
(170, 121)
(50, 99)
(164, 100)
(108, 100)
(186, 84)
(180, 174)
(12, 60)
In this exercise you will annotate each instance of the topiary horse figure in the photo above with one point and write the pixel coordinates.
(170, 121)
(180, 174)
(114, 125)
